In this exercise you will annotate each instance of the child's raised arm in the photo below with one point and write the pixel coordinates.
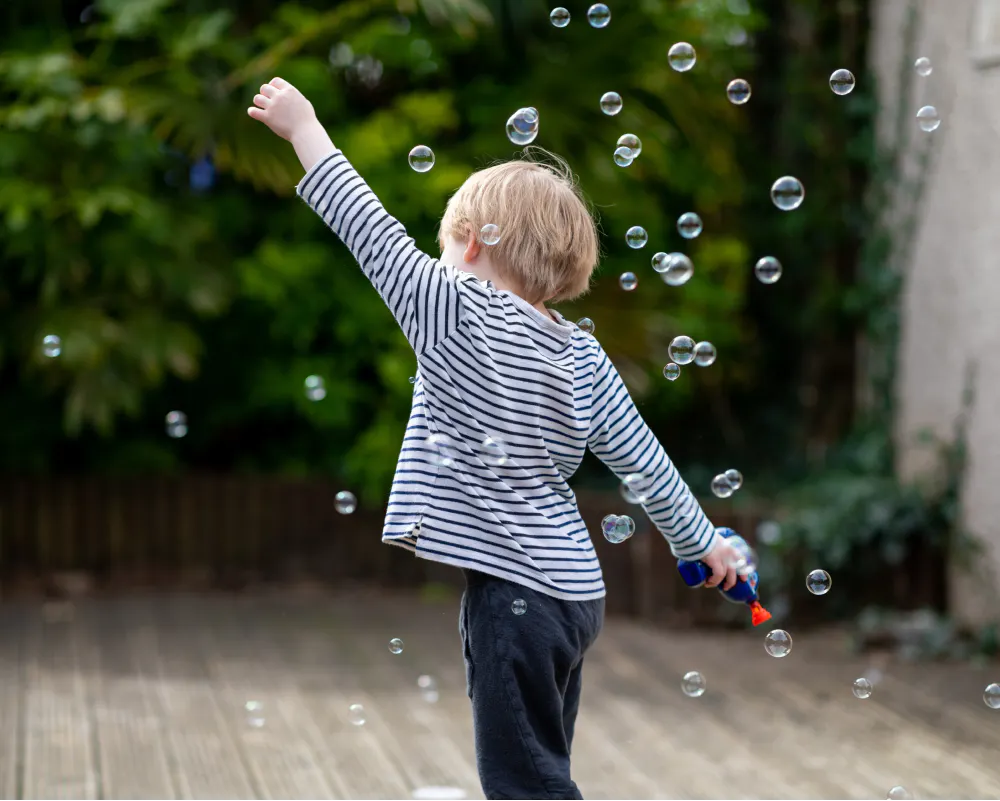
(421, 293)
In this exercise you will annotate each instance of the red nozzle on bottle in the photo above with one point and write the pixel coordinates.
(758, 614)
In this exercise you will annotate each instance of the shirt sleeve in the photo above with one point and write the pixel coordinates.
(421, 293)
(620, 438)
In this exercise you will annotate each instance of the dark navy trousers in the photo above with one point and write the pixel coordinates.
(524, 679)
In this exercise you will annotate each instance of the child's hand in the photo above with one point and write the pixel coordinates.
(722, 561)
(282, 108)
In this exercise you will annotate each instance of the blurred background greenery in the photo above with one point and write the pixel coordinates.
(153, 227)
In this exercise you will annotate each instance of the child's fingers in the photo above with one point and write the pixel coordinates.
(280, 83)
(256, 113)
(261, 102)
(268, 91)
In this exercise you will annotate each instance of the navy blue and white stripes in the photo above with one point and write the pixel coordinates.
(491, 365)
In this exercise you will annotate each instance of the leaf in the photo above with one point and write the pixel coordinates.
(131, 18)
(201, 33)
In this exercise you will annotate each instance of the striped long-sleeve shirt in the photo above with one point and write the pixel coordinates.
(490, 365)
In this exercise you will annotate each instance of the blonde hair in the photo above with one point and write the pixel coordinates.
(548, 245)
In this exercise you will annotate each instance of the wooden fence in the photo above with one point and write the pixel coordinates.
(228, 531)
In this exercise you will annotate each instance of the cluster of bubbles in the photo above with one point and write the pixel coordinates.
(675, 269)
(522, 126)
(627, 149)
(617, 528)
(725, 484)
(683, 351)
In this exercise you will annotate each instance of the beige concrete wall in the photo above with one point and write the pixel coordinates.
(951, 301)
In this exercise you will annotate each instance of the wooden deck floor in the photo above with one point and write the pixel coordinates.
(144, 698)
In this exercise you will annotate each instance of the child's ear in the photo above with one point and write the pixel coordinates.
(471, 249)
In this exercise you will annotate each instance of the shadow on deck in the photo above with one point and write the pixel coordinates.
(145, 698)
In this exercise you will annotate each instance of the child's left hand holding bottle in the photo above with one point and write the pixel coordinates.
(287, 112)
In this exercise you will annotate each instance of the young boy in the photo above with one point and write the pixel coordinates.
(508, 397)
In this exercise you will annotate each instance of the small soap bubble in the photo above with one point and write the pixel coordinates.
(923, 66)
(518, 606)
(991, 696)
(721, 488)
(628, 281)
(862, 688)
(442, 454)
(611, 103)
(787, 193)
(51, 346)
(842, 82)
(396, 645)
(428, 689)
(356, 714)
(636, 487)
(624, 157)
(636, 237)
(671, 371)
(412, 379)
(421, 158)
(255, 714)
(818, 582)
(632, 142)
(559, 17)
(928, 119)
(586, 325)
(738, 92)
(345, 502)
(490, 234)
(617, 528)
(679, 270)
(522, 126)
(735, 478)
(315, 388)
(177, 424)
(778, 643)
(767, 270)
(769, 532)
(661, 261)
(598, 15)
(689, 225)
(681, 56)
(898, 793)
(493, 452)
(693, 684)
(736, 36)
(704, 354)
(681, 350)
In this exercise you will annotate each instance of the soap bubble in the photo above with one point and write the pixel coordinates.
(490, 234)
(767, 270)
(598, 15)
(735, 478)
(693, 684)
(559, 17)
(518, 606)
(412, 379)
(679, 271)
(738, 92)
(177, 424)
(611, 103)
(396, 645)
(671, 371)
(689, 225)
(842, 82)
(315, 388)
(898, 793)
(624, 157)
(991, 696)
(704, 354)
(421, 158)
(661, 261)
(632, 142)
(769, 532)
(617, 528)
(586, 325)
(923, 66)
(787, 193)
(356, 715)
(51, 346)
(862, 688)
(442, 453)
(681, 56)
(636, 237)
(255, 714)
(628, 281)
(928, 119)
(681, 350)
(522, 126)
(345, 502)
(428, 689)
(636, 487)
(493, 452)
(721, 488)
(818, 582)
(778, 643)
